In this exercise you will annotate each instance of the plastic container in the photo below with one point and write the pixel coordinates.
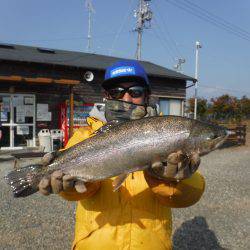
(45, 140)
(56, 139)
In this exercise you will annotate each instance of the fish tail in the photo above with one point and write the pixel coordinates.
(24, 181)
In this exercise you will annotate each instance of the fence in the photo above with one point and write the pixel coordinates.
(238, 133)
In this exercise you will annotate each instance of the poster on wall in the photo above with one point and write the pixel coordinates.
(29, 110)
(6, 104)
(17, 101)
(20, 114)
(43, 113)
(28, 100)
(4, 116)
(22, 130)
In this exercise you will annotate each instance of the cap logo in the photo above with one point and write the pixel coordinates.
(122, 71)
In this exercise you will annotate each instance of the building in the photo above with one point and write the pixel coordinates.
(37, 84)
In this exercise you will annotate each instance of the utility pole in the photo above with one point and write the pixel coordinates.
(197, 47)
(144, 16)
(90, 9)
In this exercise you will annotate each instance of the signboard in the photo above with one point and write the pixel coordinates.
(20, 114)
(22, 130)
(42, 112)
(28, 100)
(29, 110)
(17, 101)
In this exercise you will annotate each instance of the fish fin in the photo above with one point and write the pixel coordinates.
(24, 181)
(117, 182)
(108, 126)
(49, 157)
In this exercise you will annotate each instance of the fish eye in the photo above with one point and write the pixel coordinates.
(212, 136)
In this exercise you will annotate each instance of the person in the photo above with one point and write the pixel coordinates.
(138, 215)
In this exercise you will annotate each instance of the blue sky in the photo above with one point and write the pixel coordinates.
(62, 24)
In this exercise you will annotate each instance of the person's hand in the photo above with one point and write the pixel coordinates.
(58, 182)
(178, 166)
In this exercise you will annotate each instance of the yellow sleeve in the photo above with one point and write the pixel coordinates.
(178, 195)
(81, 134)
(84, 133)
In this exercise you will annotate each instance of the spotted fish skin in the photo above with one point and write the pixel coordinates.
(134, 145)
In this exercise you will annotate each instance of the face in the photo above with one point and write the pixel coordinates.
(134, 93)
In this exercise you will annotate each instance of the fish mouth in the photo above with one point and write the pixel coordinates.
(222, 139)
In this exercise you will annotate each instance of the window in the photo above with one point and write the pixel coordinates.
(169, 106)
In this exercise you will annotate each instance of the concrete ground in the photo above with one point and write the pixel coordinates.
(221, 219)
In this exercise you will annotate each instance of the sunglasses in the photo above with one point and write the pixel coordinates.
(119, 92)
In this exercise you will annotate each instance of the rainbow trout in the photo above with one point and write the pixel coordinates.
(121, 149)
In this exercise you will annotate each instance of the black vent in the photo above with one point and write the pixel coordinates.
(6, 46)
(47, 51)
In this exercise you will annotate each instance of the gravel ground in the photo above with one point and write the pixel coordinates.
(219, 221)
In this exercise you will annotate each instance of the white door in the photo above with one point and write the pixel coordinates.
(18, 121)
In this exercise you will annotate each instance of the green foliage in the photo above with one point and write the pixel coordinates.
(202, 107)
(224, 107)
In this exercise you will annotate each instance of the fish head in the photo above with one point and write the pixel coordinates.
(207, 137)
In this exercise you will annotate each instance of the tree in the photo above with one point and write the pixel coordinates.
(225, 107)
(244, 104)
(202, 107)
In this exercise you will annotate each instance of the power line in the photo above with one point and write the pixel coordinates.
(60, 39)
(223, 89)
(164, 42)
(224, 25)
(121, 27)
(167, 31)
(219, 18)
(209, 20)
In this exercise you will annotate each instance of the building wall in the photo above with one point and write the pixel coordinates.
(85, 92)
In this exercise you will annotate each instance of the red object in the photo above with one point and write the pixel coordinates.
(80, 115)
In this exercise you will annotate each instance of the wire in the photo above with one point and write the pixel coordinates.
(163, 39)
(213, 18)
(121, 27)
(167, 31)
(60, 39)
(219, 18)
(224, 89)
(209, 20)
(164, 44)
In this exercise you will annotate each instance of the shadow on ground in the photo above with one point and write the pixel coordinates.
(195, 234)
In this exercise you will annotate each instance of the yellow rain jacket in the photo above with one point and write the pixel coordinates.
(135, 216)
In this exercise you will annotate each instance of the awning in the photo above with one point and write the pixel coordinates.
(38, 80)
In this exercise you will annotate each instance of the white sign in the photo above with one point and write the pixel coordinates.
(28, 100)
(22, 130)
(47, 117)
(42, 113)
(17, 101)
(29, 110)
(4, 116)
(6, 104)
(20, 114)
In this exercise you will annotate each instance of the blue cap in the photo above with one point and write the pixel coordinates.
(125, 71)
